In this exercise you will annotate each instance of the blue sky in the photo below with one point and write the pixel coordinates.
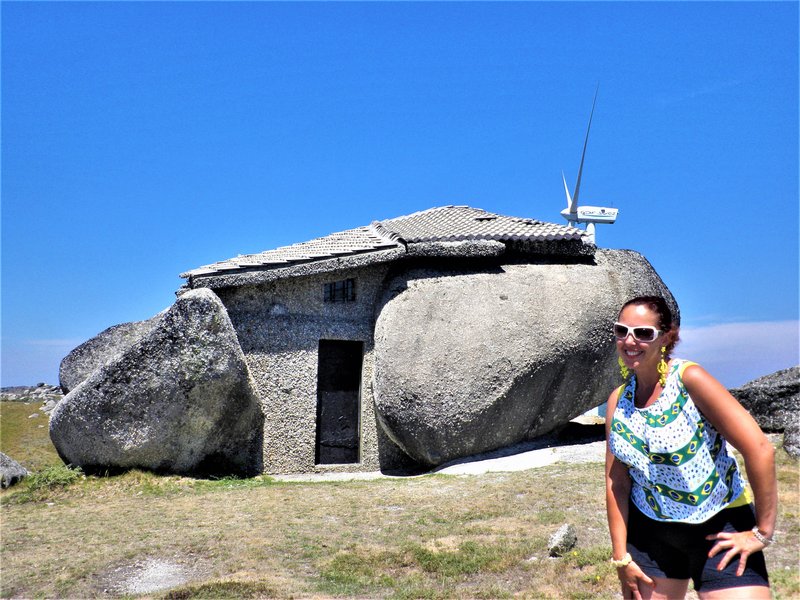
(140, 140)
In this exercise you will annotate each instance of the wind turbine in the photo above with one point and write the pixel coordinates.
(586, 214)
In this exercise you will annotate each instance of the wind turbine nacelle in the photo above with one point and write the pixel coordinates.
(590, 214)
(596, 214)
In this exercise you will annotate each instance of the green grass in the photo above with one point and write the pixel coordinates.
(43, 484)
(54, 482)
(469, 557)
(786, 582)
(26, 439)
(221, 590)
(406, 571)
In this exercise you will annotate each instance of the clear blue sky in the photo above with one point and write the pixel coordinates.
(140, 140)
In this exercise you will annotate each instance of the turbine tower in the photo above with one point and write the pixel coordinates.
(590, 215)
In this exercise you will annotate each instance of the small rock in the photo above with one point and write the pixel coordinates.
(48, 406)
(563, 540)
(11, 471)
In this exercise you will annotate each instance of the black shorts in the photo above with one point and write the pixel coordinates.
(680, 550)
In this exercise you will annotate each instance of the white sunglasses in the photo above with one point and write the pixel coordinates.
(642, 333)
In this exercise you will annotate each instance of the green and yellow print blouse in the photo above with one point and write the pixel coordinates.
(681, 468)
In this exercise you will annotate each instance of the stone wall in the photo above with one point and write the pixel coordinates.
(279, 325)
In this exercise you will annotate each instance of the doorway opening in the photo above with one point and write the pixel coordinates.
(338, 401)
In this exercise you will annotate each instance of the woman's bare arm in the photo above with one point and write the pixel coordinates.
(618, 491)
(740, 429)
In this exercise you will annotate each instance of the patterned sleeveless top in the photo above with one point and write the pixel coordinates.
(680, 466)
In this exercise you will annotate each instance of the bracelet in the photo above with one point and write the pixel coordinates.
(622, 562)
(761, 537)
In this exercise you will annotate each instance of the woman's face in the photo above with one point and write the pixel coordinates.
(634, 353)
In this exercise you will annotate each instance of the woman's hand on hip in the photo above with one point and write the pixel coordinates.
(743, 543)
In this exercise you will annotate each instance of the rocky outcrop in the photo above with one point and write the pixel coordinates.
(102, 349)
(470, 361)
(11, 472)
(773, 400)
(178, 399)
(40, 392)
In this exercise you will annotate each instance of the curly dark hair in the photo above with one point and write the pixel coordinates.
(665, 319)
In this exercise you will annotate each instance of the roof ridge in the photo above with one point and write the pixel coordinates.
(433, 209)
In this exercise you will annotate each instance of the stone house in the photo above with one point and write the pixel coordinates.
(305, 316)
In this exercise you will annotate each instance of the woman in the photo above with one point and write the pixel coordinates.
(678, 507)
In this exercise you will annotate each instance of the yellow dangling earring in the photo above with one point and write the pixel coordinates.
(623, 370)
(662, 367)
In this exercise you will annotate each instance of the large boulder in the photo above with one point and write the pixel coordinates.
(102, 349)
(179, 399)
(470, 361)
(773, 400)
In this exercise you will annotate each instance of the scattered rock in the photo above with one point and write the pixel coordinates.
(11, 472)
(773, 400)
(178, 400)
(48, 406)
(471, 361)
(41, 392)
(791, 440)
(563, 540)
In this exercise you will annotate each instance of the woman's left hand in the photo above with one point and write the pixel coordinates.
(743, 543)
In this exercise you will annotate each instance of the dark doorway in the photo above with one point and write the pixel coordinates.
(338, 383)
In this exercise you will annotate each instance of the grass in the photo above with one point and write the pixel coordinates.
(25, 438)
(223, 589)
(422, 537)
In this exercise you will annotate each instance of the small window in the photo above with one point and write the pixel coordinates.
(340, 291)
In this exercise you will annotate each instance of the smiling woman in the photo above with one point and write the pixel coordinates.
(678, 506)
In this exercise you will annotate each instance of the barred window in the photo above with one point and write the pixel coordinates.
(340, 291)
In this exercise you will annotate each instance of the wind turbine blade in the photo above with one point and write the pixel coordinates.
(583, 154)
(571, 206)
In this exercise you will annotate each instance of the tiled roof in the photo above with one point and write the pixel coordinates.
(442, 224)
(460, 223)
(351, 241)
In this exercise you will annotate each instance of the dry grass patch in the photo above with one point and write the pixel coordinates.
(436, 537)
